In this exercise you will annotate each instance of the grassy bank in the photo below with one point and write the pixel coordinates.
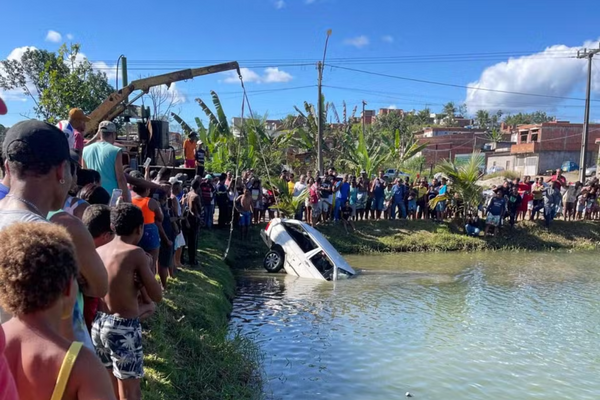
(187, 352)
(386, 236)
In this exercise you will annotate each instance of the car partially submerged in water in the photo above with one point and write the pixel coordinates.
(302, 251)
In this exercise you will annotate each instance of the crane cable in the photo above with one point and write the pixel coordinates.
(246, 100)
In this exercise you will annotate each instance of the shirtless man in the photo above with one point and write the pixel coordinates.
(116, 332)
(38, 271)
(243, 204)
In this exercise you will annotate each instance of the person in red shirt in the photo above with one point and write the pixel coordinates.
(558, 178)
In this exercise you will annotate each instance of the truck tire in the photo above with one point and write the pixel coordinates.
(273, 261)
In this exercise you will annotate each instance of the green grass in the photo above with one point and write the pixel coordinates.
(398, 236)
(188, 354)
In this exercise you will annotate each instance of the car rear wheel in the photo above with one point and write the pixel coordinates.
(273, 261)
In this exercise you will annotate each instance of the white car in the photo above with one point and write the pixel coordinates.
(302, 251)
(392, 174)
(590, 171)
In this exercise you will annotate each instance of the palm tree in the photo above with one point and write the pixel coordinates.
(287, 204)
(450, 112)
(464, 181)
(482, 118)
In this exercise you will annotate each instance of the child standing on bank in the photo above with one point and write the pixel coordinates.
(116, 331)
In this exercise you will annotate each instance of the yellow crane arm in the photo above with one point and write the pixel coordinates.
(114, 105)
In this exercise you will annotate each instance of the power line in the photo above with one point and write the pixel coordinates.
(394, 96)
(453, 85)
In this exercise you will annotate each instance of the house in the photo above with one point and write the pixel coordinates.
(272, 127)
(444, 131)
(541, 147)
(450, 143)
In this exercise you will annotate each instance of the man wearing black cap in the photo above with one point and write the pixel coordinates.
(41, 172)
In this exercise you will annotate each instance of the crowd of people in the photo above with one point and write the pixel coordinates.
(82, 239)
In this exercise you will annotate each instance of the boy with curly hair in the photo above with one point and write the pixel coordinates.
(38, 285)
(116, 331)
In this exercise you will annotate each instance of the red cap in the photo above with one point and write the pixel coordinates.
(3, 109)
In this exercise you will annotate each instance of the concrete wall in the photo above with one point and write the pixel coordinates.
(500, 161)
(554, 159)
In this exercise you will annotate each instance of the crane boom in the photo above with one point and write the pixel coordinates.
(113, 106)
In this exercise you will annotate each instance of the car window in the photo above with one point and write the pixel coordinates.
(323, 264)
(301, 237)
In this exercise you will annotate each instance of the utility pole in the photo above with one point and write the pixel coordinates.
(364, 103)
(320, 66)
(589, 54)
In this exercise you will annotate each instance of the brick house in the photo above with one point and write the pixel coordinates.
(542, 147)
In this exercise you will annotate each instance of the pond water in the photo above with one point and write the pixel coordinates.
(440, 326)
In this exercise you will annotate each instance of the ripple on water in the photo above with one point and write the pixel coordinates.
(457, 326)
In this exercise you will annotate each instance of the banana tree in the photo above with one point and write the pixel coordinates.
(367, 158)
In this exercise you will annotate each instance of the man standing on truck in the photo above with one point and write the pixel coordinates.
(189, 150)
(106, 158)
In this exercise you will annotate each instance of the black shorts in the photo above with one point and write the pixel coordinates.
(569, 207)
(165, 256)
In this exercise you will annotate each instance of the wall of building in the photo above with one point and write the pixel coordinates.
(447, 147)
(500, 161)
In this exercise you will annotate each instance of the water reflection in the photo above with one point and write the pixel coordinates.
(461, 326)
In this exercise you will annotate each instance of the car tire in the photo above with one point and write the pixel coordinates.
(273, 261)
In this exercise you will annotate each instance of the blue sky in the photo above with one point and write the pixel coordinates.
(459, 42)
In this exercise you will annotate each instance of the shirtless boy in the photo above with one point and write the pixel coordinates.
(116, 331)
(243, 204)
(38, 285)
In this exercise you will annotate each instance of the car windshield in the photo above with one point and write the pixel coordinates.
(300, 236)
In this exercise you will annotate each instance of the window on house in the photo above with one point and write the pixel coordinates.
(494, 164)
(535, 136)
(507, 166)
(524, 135)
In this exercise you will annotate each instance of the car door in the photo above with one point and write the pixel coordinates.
(298, 251)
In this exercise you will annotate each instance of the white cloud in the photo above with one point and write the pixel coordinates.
(552, 72)
(178, 96)
(275, 75)
(18, 52)
(392, 107)
(70, 36)
(279, 4)
(271, 75)
(53, 36)
(359, 42)
(388, 38)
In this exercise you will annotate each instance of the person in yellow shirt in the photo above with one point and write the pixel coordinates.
(291, 184)
(189, 150)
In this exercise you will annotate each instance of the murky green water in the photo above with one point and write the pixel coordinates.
(440, 326)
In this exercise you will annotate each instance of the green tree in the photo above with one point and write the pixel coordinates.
(536, 117)
(450, 113)
(56, 81)
(287, 204)
(482, 119)
(464, 181)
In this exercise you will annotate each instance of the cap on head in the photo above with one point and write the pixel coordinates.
(36, 146)
(107, 127)
(208, 176)
(76, 114)
(173, 180)
(192, 134)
